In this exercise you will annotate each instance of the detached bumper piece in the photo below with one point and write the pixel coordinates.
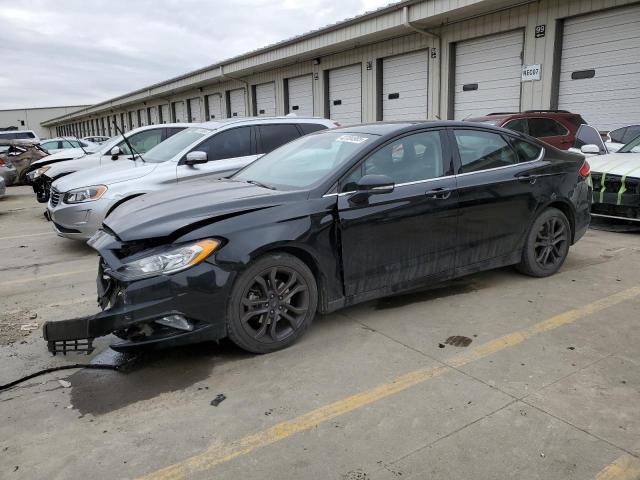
(68, 336)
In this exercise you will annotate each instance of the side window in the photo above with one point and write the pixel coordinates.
(545, 127)
(518, 125)
(275, 135)
(50, 145)
(631, 133)
(171, 131)
(408, 159)
(228, 144)
(483, 150)
(526, 151)
(618, 135)
(142, 142)
(311, 127)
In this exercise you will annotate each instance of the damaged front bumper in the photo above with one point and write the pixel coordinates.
(41, 186)
(163, 311)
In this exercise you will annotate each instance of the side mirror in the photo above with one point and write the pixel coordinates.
(115, 152)
(196, 157)
(590, 149)
(372, 185)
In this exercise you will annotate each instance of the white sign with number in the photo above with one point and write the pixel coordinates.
(531, 72)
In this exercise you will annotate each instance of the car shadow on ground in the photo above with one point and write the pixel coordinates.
(146, 375)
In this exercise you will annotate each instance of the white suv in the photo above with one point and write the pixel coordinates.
(28, 135)
(79, 202)
(48, 169)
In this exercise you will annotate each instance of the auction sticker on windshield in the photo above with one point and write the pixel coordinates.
(352, 139)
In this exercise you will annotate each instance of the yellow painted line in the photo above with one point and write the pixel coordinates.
(45, 277)
(27, 235)
(223, 452)
(624, 468)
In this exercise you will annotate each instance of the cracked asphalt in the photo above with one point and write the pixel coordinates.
(493, 376)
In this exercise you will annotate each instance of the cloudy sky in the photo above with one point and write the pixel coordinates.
(71, 52)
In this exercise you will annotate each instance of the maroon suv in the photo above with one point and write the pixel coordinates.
(555, 127)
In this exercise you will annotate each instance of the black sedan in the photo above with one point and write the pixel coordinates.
(326, 221)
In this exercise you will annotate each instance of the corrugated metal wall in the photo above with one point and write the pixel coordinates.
(537, 94)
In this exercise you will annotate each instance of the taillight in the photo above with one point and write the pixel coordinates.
(1, 162)
(585, 169)
(337, 124)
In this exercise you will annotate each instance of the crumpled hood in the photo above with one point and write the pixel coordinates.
(616, 164)
(62, 155)
(160, 214)
(118, 171)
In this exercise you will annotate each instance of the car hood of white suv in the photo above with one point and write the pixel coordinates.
(616, 163)
(119, 171)
(67, 153)
(82, 163)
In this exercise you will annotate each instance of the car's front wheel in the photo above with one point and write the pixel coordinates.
(272, 303)
(547, 244)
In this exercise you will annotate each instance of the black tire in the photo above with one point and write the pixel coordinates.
(263, 319)
(547, 244)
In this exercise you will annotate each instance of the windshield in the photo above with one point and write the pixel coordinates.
(304, 162)
(632, 147)
(172, 146)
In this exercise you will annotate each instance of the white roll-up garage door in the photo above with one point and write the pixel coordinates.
(237, 104)
(300, 95)
(345, 94)
(153, 115)
(214, 106)
(266, 100)
(179, 111)
(194, 110)
(142, 114)
(164, 114)
(600, 67)
(487, 75)
(133, 119)
(404, 86)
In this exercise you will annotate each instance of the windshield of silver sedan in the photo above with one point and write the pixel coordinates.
(305, 162)
(165, 151)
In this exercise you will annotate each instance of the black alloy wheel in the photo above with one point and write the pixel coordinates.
(547, 244)
(550, 243)
(272, 304)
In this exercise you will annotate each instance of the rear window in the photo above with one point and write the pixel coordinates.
(546, 127)
(526, 151)
(577, 120)
(311, 127)
(275, 135)
(17, 135)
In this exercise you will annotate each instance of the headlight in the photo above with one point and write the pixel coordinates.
(39, 172)
(171, 261)
(84, 194)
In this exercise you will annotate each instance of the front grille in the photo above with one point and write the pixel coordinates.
(612, 183)
(55, 197)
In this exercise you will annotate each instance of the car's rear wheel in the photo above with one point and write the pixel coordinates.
(272, 303)
(547, 244)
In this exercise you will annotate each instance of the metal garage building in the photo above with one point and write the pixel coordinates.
(414, 59)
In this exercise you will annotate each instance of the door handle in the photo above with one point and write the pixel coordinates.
(438, 194)
(528, 178)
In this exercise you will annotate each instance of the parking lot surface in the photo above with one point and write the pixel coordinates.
(493, 376)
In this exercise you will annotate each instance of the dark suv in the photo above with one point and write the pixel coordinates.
(555, 127)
